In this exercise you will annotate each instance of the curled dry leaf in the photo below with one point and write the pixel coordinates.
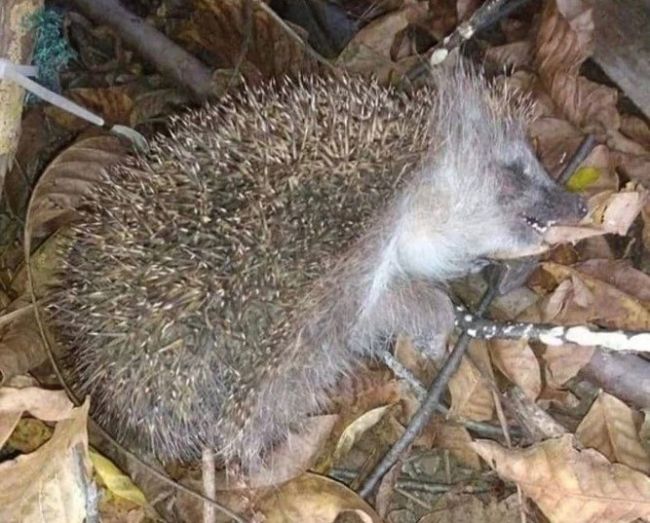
(517, 361)
(564, 38)
(356, 429)
(52, 480)
(615, 212)
(569, 485)
(610, 427)
(314, 499)
(48, 405)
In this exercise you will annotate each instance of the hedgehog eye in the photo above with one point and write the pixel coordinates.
(517, 167)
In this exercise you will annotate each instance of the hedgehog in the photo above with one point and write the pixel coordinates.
(216, 288)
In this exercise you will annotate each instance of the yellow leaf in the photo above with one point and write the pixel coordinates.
(583, 178)
(116, 481)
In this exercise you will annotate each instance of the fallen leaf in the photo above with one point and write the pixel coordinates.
(470, 396)
(314, 499)
(610, 427)
(295, 455)
(610, 307)
(356, 429)
(118, 483)
(517, 361)
(563, 362)
(457, 440)
(569, 485)
(564, 39)
(463, 508)
(52, 480)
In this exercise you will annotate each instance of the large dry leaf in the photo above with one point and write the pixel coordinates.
(517, 361)
(569, 485)
(314, 499)
(67, 179)
(356, 429)
(49, 481)
(603, 304)
(610, 427)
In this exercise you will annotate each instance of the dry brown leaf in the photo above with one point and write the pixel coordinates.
(514, 54)
(462, 508)
(563, 362)
(571, 486)
(636, 129)
(555, 141)
(470, 395)
(635, 166)
(68, 178)
(615, 212)
(369, 51)
(586, 104)
(620, 274)
(220, 27)
(21, 347)
(296, 454)
(517, 361)
(114, 104)
(48, 405)
(457, 440)
(50, 480)
(564, 38)
(610, 427)
(314, 499)
(609, 307)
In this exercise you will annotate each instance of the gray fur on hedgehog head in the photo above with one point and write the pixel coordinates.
(217, 288)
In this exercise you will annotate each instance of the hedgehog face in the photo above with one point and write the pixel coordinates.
(529, 200)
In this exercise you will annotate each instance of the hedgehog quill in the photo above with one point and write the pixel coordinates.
(216, 289)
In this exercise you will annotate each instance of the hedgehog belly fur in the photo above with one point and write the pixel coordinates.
(187, 281)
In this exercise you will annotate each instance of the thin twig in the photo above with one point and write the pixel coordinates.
(431, 400)
(485, 429)
(586, 146)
